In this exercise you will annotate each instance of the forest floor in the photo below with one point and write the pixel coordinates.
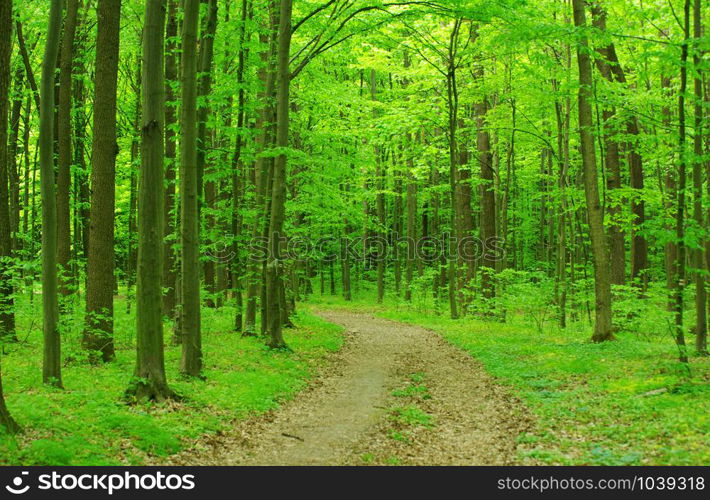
(394, 394)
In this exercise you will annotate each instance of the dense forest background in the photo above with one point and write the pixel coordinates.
(178, 169)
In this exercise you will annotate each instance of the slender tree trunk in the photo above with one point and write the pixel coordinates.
(51, 368)
(679, 289)
(237, 178)
(28, 65)
(100, 280)
(150, 381)
(397, 225)
(701, 323)
(204, 134)
(600, 251)
(488, 200)
(379, 201)
(671, 247)
(134, 169)
(563, 119)
(13, 171)
(259, 179)
(411, 232)
(171, 76)
(64, 147)
(452, 108)
(82, 202)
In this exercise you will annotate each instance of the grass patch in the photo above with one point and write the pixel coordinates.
(87, 424)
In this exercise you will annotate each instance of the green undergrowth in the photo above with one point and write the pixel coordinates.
(626, 402)
(88, 423)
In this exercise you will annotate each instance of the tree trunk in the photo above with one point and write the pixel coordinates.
(278, 197)
(204, 86)
(51, 368)
(13, 171)
(488, 199)
(169, 226)
(149, 381)
(260, 183)
(701, 323)
(379, 202)
(639, 245)
(134, 169)
(237, 177)
(98, 334)
(64, 139)
(670, 195)
(7, 306)
(678, 305)
(191, 362)
(600, 251)
(411, 232)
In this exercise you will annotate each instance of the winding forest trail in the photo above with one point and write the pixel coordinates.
(345, 417)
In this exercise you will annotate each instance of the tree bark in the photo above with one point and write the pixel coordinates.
(51, 368)
(639, 245)
(191, 361)
(701, 322)
(678, 304)
(488, 200)
(204, 86)
(64, 139)
(7, 305)
(278, 197)
(149, 381)
(100, 280)
(600, 251)
(171, 76)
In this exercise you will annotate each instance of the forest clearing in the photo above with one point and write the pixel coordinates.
(354, 232)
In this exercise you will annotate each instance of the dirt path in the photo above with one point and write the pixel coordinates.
(394, 394)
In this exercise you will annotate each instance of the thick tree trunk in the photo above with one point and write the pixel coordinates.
(600, 251)
(150, 381)
(7, 306)
(51, 368)
(278, 197)
(64, 139)
(191, 361)
(100, 280)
